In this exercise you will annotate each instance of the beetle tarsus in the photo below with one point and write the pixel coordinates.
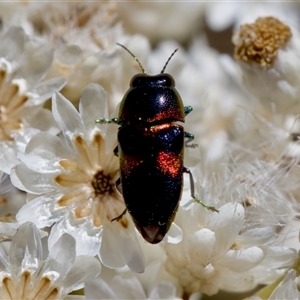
(187, 110)
(190, 137)
(120, 216)
(116, 151)
(212, 208)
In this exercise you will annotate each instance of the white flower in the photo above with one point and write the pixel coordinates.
(84, 36)
(217, 254)
(11, 199)
(23, 64)
(286, 289)
(127, 288)
(159, 20)
(111, 67)
(268, 53)
(222, 15)
(26, 274)
(154, 283)
(74, 180)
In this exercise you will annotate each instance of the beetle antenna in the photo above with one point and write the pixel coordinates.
(135, 58)
(168, 61)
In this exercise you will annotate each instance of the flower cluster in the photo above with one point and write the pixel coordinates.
(230, 197)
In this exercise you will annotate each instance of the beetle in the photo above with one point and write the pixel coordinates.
(151, 151)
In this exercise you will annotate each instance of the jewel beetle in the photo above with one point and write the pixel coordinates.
(151, 150)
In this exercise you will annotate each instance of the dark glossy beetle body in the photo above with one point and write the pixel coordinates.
(151, 149)
(151, 153)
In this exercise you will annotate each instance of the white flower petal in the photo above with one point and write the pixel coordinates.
(99, 289)
(174, 235)
(119, 247)
(84, 269)
(287, 289)
(40, 120)
(40, 210)
(27, 180)
(61, 258)
(220, 15)
(12, 44)
(37, 59)
(236, 282)
(93, 105)
(8, 157)
(68, 54)
(243, 260)
(289, 235)
(87, 239)
(163, 291)
(26, 249)
(53, 150)
(22, 137)
(280, 256)
(8, 230)
(128, 288)
(9, 149)
(67, 117)
(257, 236)
(4, 261)
(201, 245)
(227, 225)
(45, 90)
(30, 276)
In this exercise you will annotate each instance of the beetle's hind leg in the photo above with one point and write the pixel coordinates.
(212, 208)
(190, 137)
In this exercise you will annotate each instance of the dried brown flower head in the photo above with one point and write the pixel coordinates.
(259, 42)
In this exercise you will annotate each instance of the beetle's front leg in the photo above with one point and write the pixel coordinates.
(108, 121)
(187, 110)
(192, 185)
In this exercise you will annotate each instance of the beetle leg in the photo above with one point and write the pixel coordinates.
(212, 208)
(190, 137)
(187, 110)
(108, 121)
(116, 151)
(118, 218)
(119, 185)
